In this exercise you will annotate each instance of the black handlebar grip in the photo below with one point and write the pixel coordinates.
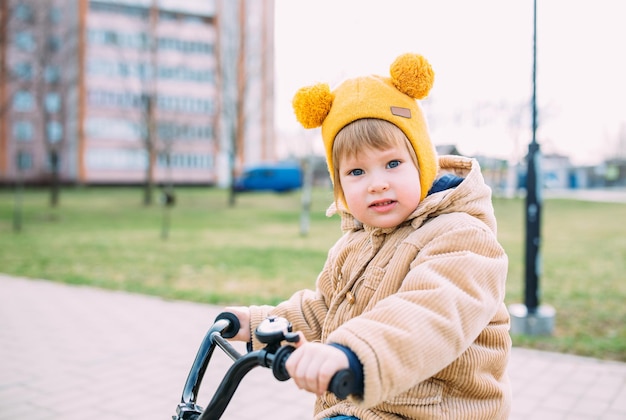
(280, 359)
(343, 384)
(234, 325)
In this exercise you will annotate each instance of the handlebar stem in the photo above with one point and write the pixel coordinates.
(226, 346)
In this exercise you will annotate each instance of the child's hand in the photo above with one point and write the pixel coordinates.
(243, 314)
(312, 365)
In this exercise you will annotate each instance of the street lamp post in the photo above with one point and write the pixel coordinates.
(533, 197)
(531, 318)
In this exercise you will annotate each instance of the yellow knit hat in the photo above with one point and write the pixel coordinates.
(386, 98)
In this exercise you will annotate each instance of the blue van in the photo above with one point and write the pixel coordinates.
(270, 177)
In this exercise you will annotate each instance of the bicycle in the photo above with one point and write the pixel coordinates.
(272, 332)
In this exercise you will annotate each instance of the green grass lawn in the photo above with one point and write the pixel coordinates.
(255, 253)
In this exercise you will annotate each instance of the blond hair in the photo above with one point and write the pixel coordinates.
(366, 133)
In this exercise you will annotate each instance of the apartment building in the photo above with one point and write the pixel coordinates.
(119, 91)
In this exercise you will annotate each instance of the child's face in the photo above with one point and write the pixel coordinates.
(381, 187)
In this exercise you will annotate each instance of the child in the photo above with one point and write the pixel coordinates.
(411, 297)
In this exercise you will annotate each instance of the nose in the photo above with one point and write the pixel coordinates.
(378, 185)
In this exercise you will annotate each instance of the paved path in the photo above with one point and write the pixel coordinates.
(607, 195)
(71, 352)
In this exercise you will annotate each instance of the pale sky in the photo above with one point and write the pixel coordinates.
(481, 52)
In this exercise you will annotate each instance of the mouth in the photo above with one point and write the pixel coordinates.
(382, 204)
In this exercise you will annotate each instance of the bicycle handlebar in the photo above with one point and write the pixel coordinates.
(273, 356)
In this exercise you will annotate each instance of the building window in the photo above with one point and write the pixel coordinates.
(180, 104)
(25, 41)
(23, 130)
(185, 46)
(52, 74)
(24, 160)
(23, 101)
(54, 43)
(23, 12)
(54, 131)
(130, 11)
(168, 131)
(23, 71)
(118, 39)
(143, 71)
(185, 161)
(185, 104)
(111, 38)
(53, 102)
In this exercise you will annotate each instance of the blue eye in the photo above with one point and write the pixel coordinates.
(393, 164)
(356, 172)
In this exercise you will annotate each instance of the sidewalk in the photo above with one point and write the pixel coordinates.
(606, 195)
(71, 352)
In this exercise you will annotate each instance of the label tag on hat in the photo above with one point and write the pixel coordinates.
(401, 112)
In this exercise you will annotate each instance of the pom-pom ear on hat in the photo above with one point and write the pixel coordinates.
(412, 75)
(312, 104)
(391, 99)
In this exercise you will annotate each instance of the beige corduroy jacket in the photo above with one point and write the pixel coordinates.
(421, 305)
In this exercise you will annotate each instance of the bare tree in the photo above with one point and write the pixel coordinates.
(33, 100)
(50, 85)
(239, 132)
(229, 74)
(240, 72)
(50, 88)
(149, 96)
(137, 68)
